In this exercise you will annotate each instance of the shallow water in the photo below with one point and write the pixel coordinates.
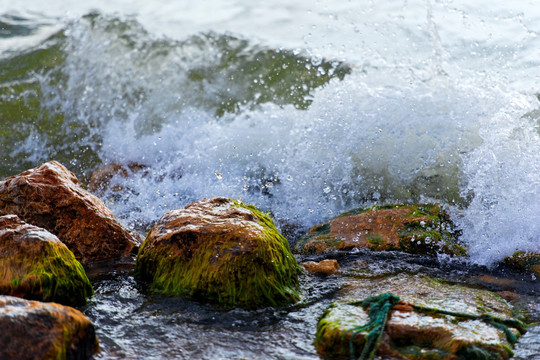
(305, 110)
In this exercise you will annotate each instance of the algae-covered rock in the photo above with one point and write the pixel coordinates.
(525, 261)
(50, 197)
(418, 229)
(430, 320)
(222, 251)
(31, 330)
(34, 264)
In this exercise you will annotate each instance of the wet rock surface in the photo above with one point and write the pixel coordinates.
(35, 330)
(431, 319)
(51, 197)
(418, 229)
(222, 251)
(34, 264)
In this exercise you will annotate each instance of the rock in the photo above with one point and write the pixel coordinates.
(35, 330)
(222, 251)
(525, 261)
(100, 179)
(50, 197)
(432, 320)
(34, 264)
(418, 229)
(324, 267)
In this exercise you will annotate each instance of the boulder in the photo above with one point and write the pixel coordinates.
(34, 264)
(324, 267)
(426, 319)
(418, 229)
(35, 330)
(525, 261)
(51, 197)
(222, 251)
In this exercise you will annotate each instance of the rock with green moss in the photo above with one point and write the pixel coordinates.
(525, 261)
(35, 330)
(427, 319)
(222, 251)
(418, 229)
(34, 264)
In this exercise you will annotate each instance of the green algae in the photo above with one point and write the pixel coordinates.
(53, 276)
(219, 268)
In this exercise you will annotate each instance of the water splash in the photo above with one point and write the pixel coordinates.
(303, 137)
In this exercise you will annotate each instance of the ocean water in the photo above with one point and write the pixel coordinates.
(305, 109)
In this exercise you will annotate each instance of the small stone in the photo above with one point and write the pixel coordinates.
(35, 330)
(324, 267)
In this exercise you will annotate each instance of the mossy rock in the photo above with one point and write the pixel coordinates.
(222, 251)
(525, 261)
(432, 320)
(418, 229)
(34, 264)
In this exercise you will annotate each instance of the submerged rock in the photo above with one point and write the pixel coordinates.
(222, 251)
(34, 264)
(50, 197)
(427, 319)
(418, 229)
(35, 330)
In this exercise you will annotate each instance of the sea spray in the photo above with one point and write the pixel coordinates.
(308, 140)
(503, 182)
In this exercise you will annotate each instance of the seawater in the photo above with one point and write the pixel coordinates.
(305, 109)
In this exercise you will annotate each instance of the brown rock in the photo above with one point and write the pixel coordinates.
(50, 197)
(423, 229)
(34, 264)
(35, 330)
(324, 267)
